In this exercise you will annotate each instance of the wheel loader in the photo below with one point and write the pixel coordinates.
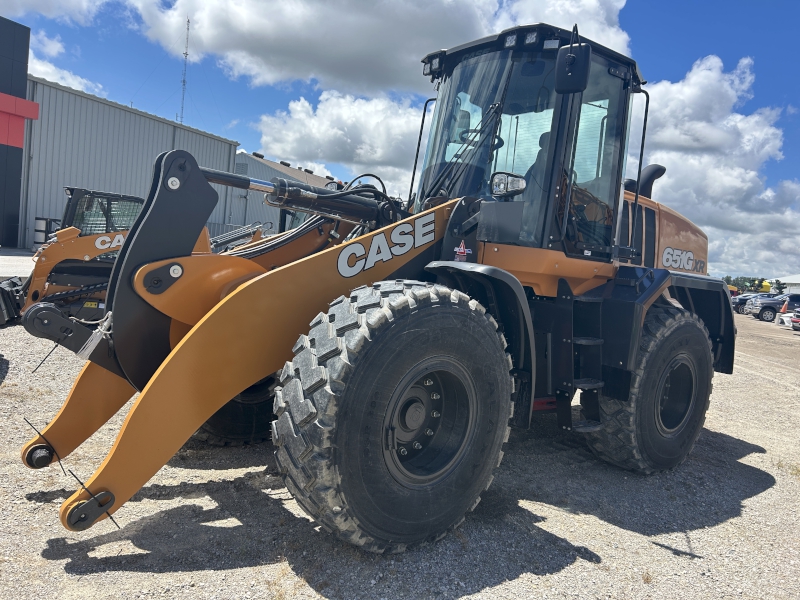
(406, 338)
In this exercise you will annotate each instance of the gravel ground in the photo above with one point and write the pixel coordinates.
(15, 263)
(217, 523)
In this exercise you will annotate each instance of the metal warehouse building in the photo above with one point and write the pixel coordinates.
(85, 141)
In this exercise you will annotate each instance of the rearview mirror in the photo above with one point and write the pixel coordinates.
(572, 66)
(506, 185)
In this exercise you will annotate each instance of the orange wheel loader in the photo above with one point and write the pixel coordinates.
(406, 338)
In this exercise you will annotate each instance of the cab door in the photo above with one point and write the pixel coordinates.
(593, 161)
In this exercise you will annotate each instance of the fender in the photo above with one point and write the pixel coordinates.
(504, 297)
(710, 299)
(628, 296)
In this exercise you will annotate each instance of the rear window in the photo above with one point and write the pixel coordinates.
(97, 214)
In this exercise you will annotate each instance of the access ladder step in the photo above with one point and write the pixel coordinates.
(586, 426)
(587, 341)
(588, 384)
(588, 299)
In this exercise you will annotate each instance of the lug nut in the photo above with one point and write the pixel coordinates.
(435, 396)
(402, 451)
(429, 431)
(417, 446)
(428, 382)
(436, 414)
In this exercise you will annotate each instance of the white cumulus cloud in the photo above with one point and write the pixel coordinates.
(50, 47)
(77, 11)
(355, 46)
(714, 153)
(47, 70)
(377, 135)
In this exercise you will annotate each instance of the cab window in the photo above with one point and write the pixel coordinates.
(591, 176)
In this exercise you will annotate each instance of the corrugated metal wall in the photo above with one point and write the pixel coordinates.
(84, 141)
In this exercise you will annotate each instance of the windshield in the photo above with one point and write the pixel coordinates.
(513, 139)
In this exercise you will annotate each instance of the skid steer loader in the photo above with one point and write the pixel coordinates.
(406, 339)
(72, 268)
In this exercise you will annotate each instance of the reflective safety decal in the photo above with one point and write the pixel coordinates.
(105, 242)
(386, 245)
(682, 259)
(461, 252)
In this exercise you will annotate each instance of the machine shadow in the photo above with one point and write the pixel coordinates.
(250, 523)
(560, 470)
(250, 526)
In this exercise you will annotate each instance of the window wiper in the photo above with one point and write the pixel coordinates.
(464, 152)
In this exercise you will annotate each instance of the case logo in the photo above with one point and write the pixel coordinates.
(354, 258)
(104, 242)
(682, 259)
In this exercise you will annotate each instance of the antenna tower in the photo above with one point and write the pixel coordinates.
(185, 61)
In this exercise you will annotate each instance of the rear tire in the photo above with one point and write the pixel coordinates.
(658, 425)
(245, 419)
(393, 413)
(767, 315)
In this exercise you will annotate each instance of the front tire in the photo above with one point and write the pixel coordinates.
(656, 427)
(393, 413)
(767, 315)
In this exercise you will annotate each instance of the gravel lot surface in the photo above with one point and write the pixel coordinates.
(556, 523)
(15, 263)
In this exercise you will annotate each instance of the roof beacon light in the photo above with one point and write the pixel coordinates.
(511, 40)
(531, 37)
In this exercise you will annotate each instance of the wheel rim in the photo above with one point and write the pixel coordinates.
(676, 396)
(768, 315)
(429, 422)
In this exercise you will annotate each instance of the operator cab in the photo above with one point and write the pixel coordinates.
(498, 111)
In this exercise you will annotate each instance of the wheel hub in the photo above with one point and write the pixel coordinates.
(676, 396)
(428, 422)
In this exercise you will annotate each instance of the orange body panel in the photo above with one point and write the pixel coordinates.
(69, 244)
(541, 269)
(206, 279)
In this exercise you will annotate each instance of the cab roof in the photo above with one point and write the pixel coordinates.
(539, 33)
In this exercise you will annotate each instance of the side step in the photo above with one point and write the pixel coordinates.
(588, 384)
(586, 426)
(587, 341)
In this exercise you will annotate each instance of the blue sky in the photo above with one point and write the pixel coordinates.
(276, 77)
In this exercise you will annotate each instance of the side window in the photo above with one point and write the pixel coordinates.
(592, 164)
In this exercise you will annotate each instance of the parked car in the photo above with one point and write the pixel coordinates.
(766, 308)
(740, 302)
(796, 321)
